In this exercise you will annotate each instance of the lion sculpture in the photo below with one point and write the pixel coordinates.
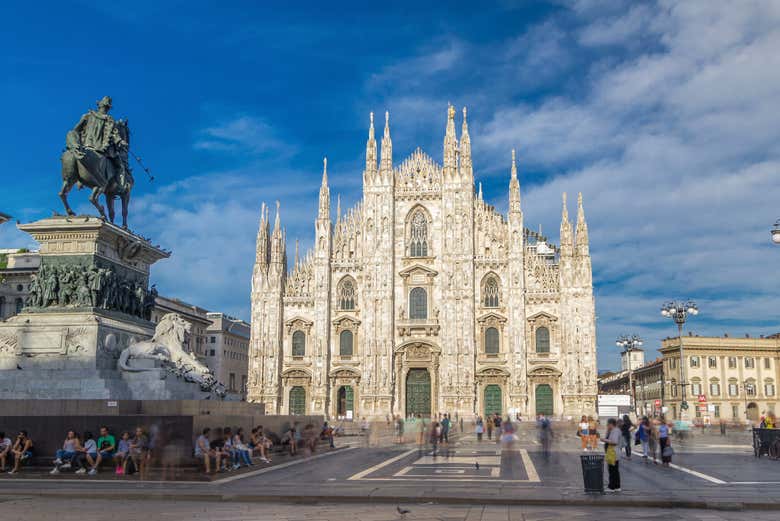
(166, 347)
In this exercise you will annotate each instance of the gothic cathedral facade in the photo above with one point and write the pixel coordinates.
(423, 299)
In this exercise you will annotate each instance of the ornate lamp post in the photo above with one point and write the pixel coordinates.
(679, 312)
(775, 231)
(629, 344)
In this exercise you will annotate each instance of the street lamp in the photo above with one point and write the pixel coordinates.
(776, 232)
(629, 344)
(679, 312)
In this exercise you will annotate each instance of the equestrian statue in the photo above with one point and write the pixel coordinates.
(96, 156)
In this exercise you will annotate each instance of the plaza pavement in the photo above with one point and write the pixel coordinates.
(711, 472)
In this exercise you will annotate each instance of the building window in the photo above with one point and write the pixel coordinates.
(672, 363)
(232, 381)
(19, 305)
(490, 299)
(769, 389)
(213, 340)
(712, 362)
(750, 363)
(673, 389)
(732, 362)
(347, 294)
(694, 361)
(213, 352)
(696, 389)
(716, 411)
(418, 244)
(750, 389)
(767, 363)
(714, 389)
(345, 343)
(299, 343)
(418, 303)
(243, 383)
(735, 411)
(733, 389)
(491, 341)
(542, 340)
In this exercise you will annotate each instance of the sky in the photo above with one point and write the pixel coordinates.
(664, 114)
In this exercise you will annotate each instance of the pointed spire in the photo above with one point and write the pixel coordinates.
(386, 166)
(450, 144)
(583, 247)
(277, 221)
(261, 253)
(370, 151)
(566, 234)
(514, 187)
(466, 165)
(479, 195)
(338, 208)
(324, 208)
(277, 239)
(296, 253)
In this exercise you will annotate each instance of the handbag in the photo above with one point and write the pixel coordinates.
(611, 456)
(668, 452)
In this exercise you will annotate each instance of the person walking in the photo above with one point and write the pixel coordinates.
(497, 425)
(652, 439)
(643, 434)
(593, 433)
(664, 441)
(480, 428)
(445, 429)
(490, 425)
(612, 454)
(625, 428)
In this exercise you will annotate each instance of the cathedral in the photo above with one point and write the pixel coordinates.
(423, 299)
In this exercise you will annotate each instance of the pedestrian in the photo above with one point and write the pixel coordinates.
(593, 433)
(582, 432)
(664, 441)
(399, 428)
(480, 428)
(434, 436)
(445, 429)
(420, 428)
(625, 428)
(545, 435)
(643, 435)
(612, 454)
(652, 440)
(497, 425)
(490, 425)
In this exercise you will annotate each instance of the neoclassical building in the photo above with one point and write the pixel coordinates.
(424, 299)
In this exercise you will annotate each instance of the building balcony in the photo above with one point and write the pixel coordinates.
(418, 326)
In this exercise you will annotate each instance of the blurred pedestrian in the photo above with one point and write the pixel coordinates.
(664, 441)
(612, 454)
(490, 426)
(625, 428)
(643, 434)
(480, 428)
(582, 432)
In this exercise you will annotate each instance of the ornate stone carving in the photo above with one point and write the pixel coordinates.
(8, 344)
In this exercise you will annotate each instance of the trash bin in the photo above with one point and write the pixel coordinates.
(593, 473)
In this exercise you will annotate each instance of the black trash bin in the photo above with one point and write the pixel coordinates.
(593, 473)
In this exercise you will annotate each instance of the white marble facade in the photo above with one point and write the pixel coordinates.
(423, 298)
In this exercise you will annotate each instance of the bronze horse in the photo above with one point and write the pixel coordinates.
(106, 176)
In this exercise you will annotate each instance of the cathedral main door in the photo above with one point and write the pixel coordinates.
(492, 400)
(544, 400)
(418, 392)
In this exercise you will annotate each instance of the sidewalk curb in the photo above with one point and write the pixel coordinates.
(597, 501)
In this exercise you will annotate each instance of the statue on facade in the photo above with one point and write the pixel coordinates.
(96, 156)
(166, 346)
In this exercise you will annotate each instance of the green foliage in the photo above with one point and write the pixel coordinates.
(3, 261)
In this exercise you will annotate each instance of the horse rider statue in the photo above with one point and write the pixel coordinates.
(96, 156)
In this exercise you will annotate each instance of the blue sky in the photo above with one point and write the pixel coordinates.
(664, 114)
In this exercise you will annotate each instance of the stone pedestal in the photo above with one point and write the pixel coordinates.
(88, 303)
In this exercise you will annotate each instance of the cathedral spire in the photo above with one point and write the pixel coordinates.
(324, 209)
(566, 235)
(583, 247)
(370, 151)
(386, 166)
(450, 145)
(261, 253)
(466, 166)
(277, 240)
(514, 187)
(479, 195)
(338, 208)
(296, 254)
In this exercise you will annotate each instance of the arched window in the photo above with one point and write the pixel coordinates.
(490, 298)
(418, 238)
(542, 340)
(418, 303)
(345, 343)
(347, 294)
(19, 305)
(491, 341)
(299, 343)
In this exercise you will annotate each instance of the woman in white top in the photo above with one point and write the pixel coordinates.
(582, 432)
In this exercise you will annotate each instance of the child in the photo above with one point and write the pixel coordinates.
(87, 454)
(122, 453)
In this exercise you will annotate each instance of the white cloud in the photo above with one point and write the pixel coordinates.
(242, 133)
